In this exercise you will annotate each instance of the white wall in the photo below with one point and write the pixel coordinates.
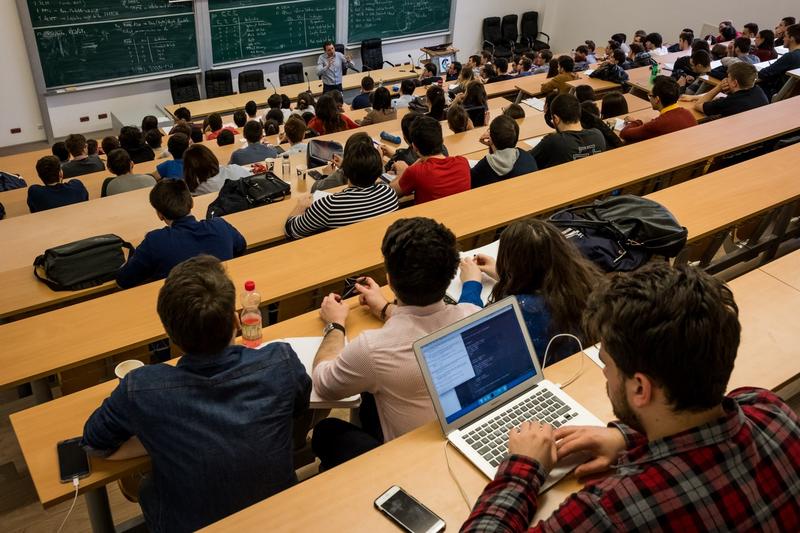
(18, 104)
(568, 22)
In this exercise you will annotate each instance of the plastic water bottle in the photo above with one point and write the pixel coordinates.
(654, 70)
(251, 316)
(286, 168)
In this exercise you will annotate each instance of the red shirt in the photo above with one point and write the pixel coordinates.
(317, 125)
(214, 134)
(435, 177)
(667, 122)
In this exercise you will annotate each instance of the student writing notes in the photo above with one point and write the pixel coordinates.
(420, 258)
(549, 277)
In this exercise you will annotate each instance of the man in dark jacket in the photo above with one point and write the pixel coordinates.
(504, 160)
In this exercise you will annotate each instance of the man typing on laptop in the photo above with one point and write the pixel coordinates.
(683, 455)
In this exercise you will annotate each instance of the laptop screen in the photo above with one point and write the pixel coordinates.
(478, 362)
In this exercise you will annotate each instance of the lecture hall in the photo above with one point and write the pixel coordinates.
(383, 265)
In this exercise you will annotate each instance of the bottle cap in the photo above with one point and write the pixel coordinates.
(249, 285)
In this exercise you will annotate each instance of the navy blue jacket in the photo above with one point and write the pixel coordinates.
(361, 101)
(164, 248)
(218, 430)
(483, 174)
(44, 197)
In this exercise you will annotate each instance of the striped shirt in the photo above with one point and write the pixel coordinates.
(343, 208)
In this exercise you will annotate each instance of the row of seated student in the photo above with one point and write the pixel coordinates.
(574, 138)
(202, 430)
(227, 430)
(467, 91)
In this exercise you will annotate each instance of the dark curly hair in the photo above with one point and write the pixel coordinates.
(421, 258)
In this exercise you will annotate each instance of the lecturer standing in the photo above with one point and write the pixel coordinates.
(330, 67)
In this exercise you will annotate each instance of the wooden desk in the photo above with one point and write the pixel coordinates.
(228, 104)
(599, 86)
(785, 269)
(126, 320)
(414, 461)
(130, 216)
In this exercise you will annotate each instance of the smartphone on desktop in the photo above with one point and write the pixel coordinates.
(72, 460)
(408, 513)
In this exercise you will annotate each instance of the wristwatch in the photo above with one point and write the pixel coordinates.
(332, 326)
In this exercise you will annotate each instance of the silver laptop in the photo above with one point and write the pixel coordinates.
(484, 378)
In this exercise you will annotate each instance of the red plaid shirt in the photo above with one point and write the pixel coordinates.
(740, 473)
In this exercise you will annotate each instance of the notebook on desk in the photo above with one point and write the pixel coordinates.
(484, 378)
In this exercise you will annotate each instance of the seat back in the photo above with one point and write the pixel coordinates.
(372, 54)
(251, 80)
(218, 83)
(529, 26)
(184, 88)
(491, 30)
(508, 28)
(290, 73)
(339, 47)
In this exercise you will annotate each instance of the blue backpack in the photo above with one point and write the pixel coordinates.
(10, 181)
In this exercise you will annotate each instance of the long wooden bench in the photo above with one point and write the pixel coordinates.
(127, 320)
(415, 461)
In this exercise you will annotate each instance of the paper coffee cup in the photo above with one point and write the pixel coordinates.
(122, 369)
(270, 164)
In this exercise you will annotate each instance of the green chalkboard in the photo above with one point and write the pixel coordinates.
(89, 41)
(367, 19)
(250, 29)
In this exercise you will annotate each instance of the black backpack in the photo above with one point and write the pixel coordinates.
(10, 182)
(621, 233)
(246, 193)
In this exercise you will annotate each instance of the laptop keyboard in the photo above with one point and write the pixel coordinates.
(490, 439)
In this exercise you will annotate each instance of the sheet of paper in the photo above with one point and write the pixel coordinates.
(454, 290)
(533, 142)
(320, 194)
(593, 353)
(715, 64)
(306, 349)
(472, 162)
(618, 124)
(781, 50)
(761, 65)
(668, 66)
(588, 72)
(536, 103)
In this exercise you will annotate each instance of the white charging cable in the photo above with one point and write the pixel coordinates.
(453, 476)
(75, 483)
(580, 346)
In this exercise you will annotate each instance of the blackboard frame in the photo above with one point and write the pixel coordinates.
(403, 37)
(29, 33)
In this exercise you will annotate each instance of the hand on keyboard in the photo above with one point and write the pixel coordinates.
(535, 440)
(604, 445)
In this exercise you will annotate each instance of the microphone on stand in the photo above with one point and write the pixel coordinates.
(413, 67)
(274, 90)
(307, 82)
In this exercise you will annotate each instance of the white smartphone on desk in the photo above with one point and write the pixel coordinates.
(407, 512)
